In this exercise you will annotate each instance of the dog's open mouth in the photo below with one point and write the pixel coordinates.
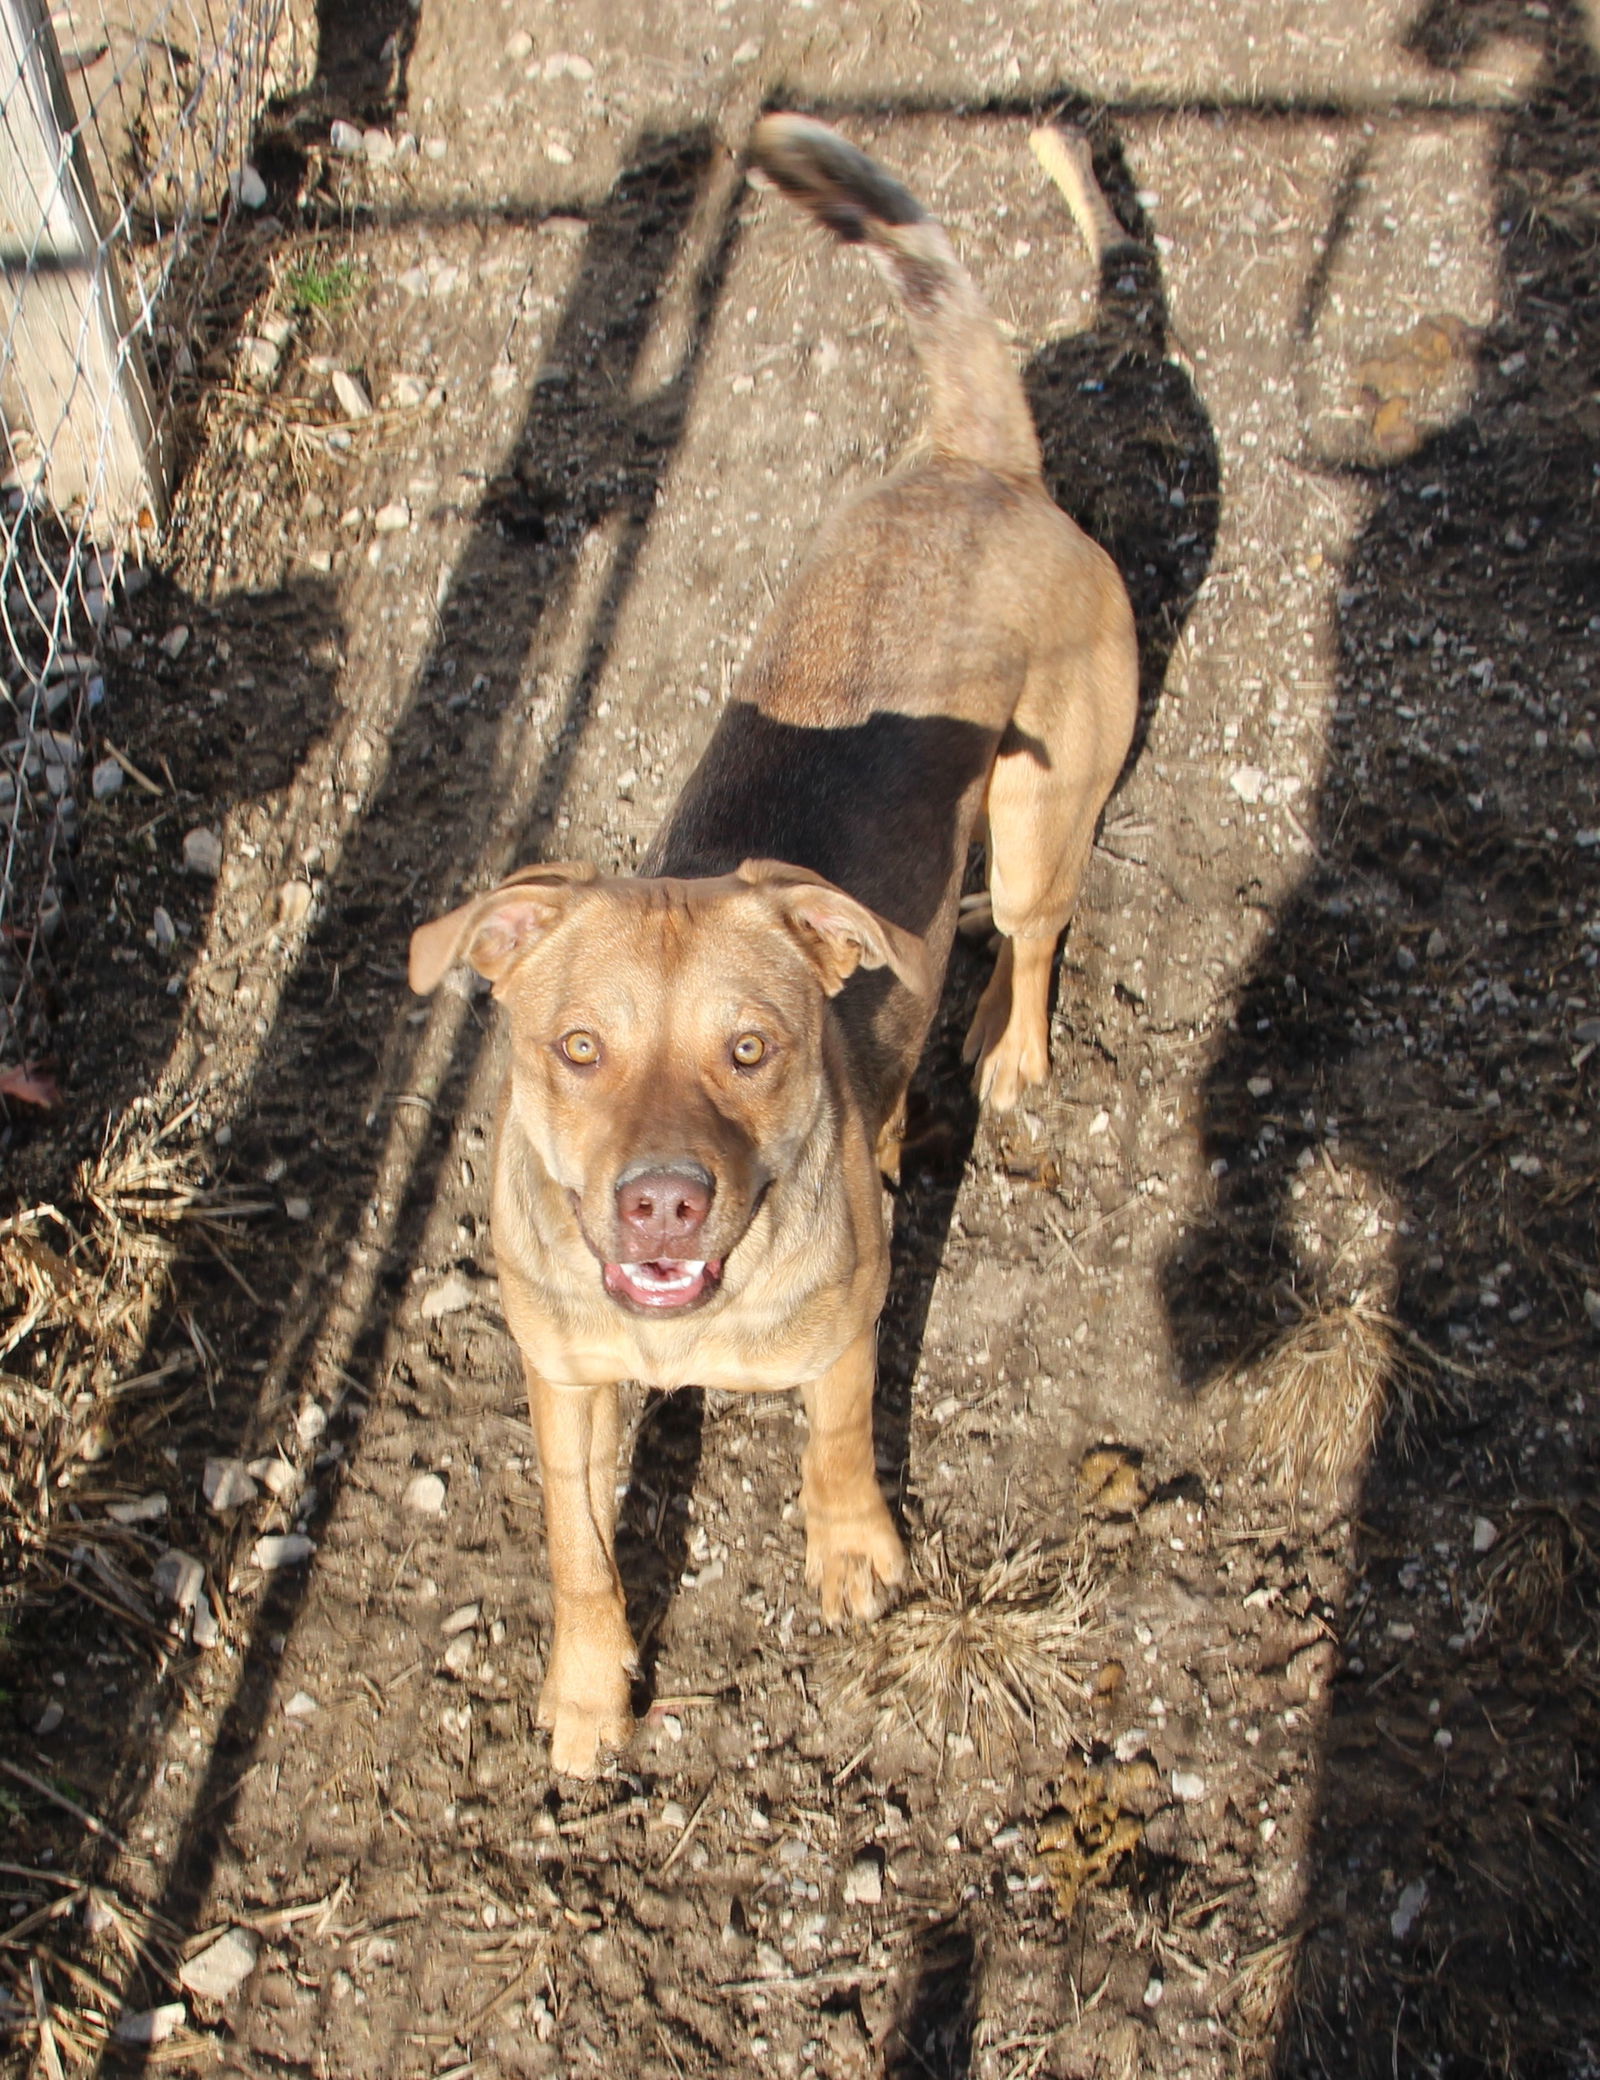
(665, 1286)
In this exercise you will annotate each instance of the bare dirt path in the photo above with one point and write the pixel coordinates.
(1273, 1317)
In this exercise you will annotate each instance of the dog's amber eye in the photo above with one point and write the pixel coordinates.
(581, 1049)
(748, 1049)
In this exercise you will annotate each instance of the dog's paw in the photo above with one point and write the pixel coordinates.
(855, 1564)
(1009, 1040)
(1006, 1069)
(1009, 1056)
(580, 1734)
(584, 1704)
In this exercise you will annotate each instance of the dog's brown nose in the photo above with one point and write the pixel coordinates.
(663, 1210)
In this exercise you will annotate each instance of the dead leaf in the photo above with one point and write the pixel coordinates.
(30, 1087)
(1110, 1483)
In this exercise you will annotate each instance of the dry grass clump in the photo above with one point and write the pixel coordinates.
(1545, 1572)
(1321, 1396)
(997, 1660)
(80, 1297)
(72, 2010)
(1262, 1988)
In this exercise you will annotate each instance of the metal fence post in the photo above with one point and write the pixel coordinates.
(74, 372)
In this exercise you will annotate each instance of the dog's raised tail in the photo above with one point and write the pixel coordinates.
(978, 410)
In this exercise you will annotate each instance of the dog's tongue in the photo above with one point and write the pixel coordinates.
(666, 1283)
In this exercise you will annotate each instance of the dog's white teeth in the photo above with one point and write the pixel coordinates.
(665, 1277)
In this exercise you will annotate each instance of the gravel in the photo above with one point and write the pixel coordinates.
(223, 1966)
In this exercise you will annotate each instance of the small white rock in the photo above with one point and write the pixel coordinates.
(1188, 1786)
(425, 1494)
(178, 1579)
(106, 779)
(352, 399)
(294, 904)
(259, 358)
(1154, 1992)
(1438, 945)
(174, 642)
(462, 1620)
(202, 853)
(297, 1208)
(1408, 1909)
(404, 393)
(436, 147)
(863, 1885)
(519, 45)
(301, 1706)
(1248, 783)
(345, 139)
(285, 1549)
(149, 1509)
(556, 152)
(276, 1475)
(393, 518)
(150, 2025)
(227, 1485)
(748, 52)
(249, 187)
(163, 932)
(1591, 1306)
(449, 1296)
(206, 1631)
(222, 1967)
(1259, 1086)
(378, 146)
(460, 1654)
(310, 1421)
(1484, 1534)
(49, 1719)
(414, 282)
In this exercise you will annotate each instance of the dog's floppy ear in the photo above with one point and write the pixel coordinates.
(838, 933)
(493, 931)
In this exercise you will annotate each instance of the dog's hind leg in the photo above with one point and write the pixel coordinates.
(1057, 764)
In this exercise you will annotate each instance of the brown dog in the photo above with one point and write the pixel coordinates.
(709, 1062)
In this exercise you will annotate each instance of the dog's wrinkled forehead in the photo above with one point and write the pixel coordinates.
(631, 946)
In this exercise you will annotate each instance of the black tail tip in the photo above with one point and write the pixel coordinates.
(824, 173)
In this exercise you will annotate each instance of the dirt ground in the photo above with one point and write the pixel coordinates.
(1273, 1317)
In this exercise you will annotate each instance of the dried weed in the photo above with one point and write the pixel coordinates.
(81, 1296)
(1321, 1396)
(996, 1660)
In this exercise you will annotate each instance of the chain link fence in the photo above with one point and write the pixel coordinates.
(125, 127)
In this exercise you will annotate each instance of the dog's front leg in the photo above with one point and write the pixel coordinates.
(584, 1701)
(853, 1552)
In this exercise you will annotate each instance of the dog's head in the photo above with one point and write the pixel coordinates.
(666, 1047)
